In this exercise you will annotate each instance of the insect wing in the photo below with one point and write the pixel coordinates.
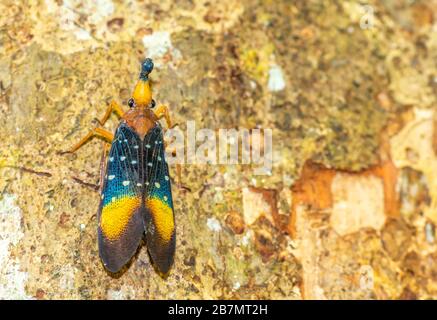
(159, 216)
(121, 214)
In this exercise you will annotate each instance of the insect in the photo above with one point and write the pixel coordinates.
(135, 188)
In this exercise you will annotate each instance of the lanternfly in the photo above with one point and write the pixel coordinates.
(135, 188)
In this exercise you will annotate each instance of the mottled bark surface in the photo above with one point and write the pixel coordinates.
(350, 208)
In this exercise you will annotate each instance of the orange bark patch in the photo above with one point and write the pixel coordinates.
(312, 189)
(389, 174)
(235, 222)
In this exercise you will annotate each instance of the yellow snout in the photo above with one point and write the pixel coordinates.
(142, 93)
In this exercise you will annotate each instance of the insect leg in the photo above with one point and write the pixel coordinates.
(113, 107)
(178, 166)
(179, 178)
(162, 112)
(100, 132)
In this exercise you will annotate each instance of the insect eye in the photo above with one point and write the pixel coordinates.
(153, 104)
(131, 103)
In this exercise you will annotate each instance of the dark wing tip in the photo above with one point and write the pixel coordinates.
(162, 265)
(161, 252)
(113, 267)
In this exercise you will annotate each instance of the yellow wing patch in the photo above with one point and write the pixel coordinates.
(116, 214)
(162, 217)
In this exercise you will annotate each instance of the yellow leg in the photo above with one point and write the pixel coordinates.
(113, 107)
(162, 112)
(100, 132)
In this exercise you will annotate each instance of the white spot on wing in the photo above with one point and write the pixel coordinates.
(157, 185)
(126, 183)
(110, 177)
(122, 158)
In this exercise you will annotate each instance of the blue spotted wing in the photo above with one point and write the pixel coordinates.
(159, 216)
(121, 211)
